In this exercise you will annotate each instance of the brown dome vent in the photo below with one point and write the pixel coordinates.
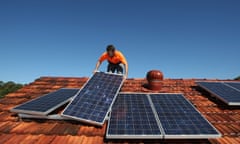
(154, 78)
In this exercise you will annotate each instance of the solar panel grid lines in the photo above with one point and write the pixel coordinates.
(174, 116)
(132, 117)
(156, 115)
(225, 91)
(234, 85)
(47, 103)
(94, 101)
(180, 119)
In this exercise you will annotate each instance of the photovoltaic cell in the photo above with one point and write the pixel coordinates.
(94, 101)
(227, 92)
(47, 103)
(179, 119)
(149, 116)
(132, 117)
(234, 85)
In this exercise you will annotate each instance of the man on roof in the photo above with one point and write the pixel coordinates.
(116, 61)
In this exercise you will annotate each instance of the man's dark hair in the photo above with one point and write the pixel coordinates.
(110, 48)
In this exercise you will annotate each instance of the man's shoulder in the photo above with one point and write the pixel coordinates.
(118, 52)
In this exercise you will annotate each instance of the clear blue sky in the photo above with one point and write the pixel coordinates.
(182, 38)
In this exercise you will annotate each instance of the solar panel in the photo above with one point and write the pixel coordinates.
(180, 119)
(235, 85)
(158, 116)
(228, 92)
(133, 117)
(94, 101)
(47, 103)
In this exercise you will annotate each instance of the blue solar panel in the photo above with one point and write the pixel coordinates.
(157, 116)
(133, 117)
(179, 118)
(94, 101)
(45, 104)
(224, 92)
(235, 85)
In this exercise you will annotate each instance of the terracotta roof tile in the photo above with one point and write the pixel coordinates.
(14, 130)
(4, 138)
(7, 126)
(91, 130)
(60, 139)
(77, 139)
(15, 101)
(25, 139)
(226, 140)
(16, 139)
(64, 129)
(4, 107)
(7, 116)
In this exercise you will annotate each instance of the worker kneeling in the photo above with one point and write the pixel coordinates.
(116, 61)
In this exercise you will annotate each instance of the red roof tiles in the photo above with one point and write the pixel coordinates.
(14, 130)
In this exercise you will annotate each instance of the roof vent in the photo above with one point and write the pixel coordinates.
(155, 78)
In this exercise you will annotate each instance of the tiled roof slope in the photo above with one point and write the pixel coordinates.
(15, 130)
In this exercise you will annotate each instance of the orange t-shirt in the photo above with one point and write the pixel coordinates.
(117, 58)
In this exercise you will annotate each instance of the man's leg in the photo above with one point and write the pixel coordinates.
(111, 68)
(120, 68)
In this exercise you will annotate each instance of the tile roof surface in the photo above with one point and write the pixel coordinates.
(15, 130)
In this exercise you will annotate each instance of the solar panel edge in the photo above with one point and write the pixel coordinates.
(48, 117)
(15, 110)
(27, 112)
(233, 103)
(133, 137)
(202, 136)
(86, 121)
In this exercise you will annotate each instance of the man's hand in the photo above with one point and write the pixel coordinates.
(125, 76)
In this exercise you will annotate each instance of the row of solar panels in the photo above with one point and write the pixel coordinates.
(156, 116)
(91, 104)
(148, 116)
(132, 116)
(228, 92)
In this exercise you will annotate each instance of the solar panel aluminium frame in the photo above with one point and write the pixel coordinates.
(219, 97)
(191, 136)
(120, 136)
(48, 117)
(163, 134)
(109, 109)
(43, 114)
